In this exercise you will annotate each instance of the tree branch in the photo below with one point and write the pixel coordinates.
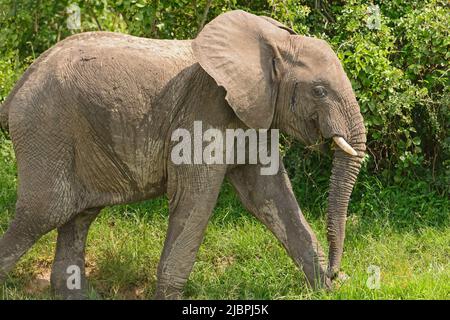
(205, 16)
(91, 11)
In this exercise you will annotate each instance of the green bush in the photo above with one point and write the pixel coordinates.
(424, 40)
(10, 70)
(399, 71)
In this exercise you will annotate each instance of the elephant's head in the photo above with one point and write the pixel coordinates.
(275, 78)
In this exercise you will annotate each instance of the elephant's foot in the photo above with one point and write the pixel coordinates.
(168, 292)
(339, 280)
(326, 284)
(62, 292)
(2, 277)
(70, 295)
(68, 281)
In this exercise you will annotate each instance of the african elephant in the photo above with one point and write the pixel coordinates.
(91, 123)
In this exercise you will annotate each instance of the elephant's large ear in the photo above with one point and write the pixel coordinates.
(278, 24)
(239, 50)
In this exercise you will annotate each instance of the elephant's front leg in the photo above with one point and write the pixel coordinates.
(193, 193)
(271, 200)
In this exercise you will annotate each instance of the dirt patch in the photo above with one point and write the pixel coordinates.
(133, 293)
(222, 263)
(40, 283)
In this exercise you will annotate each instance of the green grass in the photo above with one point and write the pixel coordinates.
(404, 230)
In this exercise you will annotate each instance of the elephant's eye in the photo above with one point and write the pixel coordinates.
(319, 91)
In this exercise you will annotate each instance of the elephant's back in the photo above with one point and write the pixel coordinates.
(103, 69)
(164, 49)
(109, 68)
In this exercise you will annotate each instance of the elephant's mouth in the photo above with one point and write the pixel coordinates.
(321, 145)
(324, 142)
(314, 139)
(325, 145)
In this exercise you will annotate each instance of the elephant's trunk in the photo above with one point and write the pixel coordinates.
(345, 170)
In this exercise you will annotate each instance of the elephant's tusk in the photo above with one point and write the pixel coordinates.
(344, 145)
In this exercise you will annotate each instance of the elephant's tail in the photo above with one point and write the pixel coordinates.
(4, 114)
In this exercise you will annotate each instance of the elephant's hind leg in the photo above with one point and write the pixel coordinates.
(30, 223)
(68, 277)
(48, 193)
(16, 241)
(45, 202)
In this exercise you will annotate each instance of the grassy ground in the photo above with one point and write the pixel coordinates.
(404, 230)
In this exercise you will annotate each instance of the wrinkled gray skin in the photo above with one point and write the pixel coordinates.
(91, 122)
